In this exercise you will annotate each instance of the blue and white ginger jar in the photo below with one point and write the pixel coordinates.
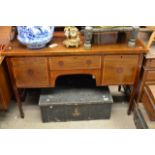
(35, 37)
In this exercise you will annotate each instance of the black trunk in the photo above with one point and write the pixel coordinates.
(67, 104)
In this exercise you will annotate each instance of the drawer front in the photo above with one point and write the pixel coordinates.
(119, 69)
(75, 62)
(30, 72)
(150, 63)
(150, 76)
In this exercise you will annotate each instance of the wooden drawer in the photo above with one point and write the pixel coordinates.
(119, 69)
(148, 101)
(30, 72)
(75, 62)
(150, 63)
(150, 76)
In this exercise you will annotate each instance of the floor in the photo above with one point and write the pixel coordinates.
(119, 118)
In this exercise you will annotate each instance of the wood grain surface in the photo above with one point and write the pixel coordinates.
(17, 49)
(5, 90)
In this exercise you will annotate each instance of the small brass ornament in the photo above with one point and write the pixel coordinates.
(72, 37)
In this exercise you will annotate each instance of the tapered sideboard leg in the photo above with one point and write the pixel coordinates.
(19, 102)
(135, 89)
(15, 89)
(119, 88)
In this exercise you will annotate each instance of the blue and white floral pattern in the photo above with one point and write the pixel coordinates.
(35, 37)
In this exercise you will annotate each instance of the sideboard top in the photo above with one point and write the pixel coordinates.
(17, 49)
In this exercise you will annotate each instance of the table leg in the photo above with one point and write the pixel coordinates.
(144, 75)
(119, 88)
(15, 89)
(131, 101)
(19, 102)
(135, 89)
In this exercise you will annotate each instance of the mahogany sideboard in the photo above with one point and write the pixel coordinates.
(115, 64)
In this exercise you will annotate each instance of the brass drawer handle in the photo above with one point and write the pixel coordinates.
(61, 63)
(119, 70)
(88, 62)
(30, 72)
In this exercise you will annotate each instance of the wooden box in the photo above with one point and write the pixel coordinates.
(148, 100)
(103, 38)
(67, 104)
